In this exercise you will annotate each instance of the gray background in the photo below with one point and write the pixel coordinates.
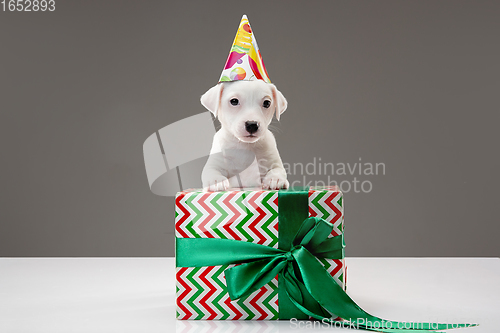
(412, 84)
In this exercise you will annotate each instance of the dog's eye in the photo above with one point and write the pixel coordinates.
(234, 101)
(266, 104)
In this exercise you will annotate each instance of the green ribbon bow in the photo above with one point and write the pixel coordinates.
(303, 281)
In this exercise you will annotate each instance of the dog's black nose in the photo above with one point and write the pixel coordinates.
(251, 126)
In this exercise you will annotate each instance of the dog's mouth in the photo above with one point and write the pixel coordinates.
(249, 138)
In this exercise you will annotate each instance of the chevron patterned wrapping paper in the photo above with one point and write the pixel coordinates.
(250, 216)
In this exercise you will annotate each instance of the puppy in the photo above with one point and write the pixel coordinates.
(244, 151)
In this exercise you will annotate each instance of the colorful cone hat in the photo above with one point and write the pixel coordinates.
(244, 62)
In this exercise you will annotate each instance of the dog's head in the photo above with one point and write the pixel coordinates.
(245, 108)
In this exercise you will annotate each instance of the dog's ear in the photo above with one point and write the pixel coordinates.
(280, 103)
(211, 99)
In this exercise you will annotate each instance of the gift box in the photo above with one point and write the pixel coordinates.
(247, 216)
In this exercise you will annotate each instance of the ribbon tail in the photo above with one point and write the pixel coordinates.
(300, 297)
(333, 298)
(348, 324)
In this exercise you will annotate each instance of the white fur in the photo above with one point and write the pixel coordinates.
(237, 158)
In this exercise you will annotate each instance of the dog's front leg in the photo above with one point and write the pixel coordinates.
(275, 179)
(271, 167)
(214, 176)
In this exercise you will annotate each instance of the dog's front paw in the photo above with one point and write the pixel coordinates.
(216, 184)
(274, 181)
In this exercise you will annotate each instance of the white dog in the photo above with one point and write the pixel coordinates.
(244, 152)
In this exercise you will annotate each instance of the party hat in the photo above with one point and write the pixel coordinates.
(244, 62)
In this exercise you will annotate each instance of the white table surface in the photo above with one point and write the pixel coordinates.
(138, 294)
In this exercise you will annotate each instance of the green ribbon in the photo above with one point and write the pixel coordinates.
(306, 284)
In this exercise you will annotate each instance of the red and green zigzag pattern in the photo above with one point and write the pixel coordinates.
(202, 294)
(328, 205)
(250, 216)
